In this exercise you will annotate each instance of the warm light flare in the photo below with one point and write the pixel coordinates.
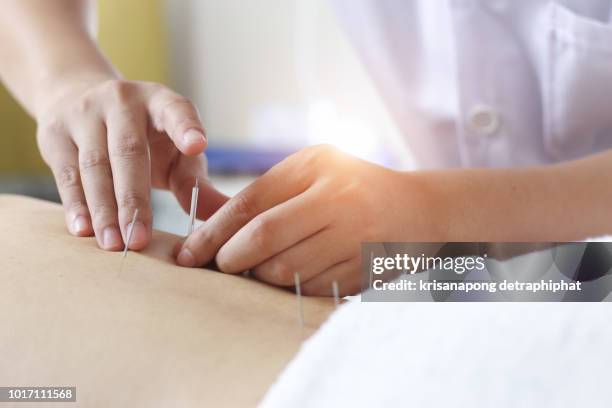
(326, 124)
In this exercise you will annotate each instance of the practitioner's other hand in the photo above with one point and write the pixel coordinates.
(108, 142)
(309, 215)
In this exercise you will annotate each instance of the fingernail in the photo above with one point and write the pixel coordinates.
(112, 238)
(80, 225)
(139, 235)
(193, 136)
(185, 258)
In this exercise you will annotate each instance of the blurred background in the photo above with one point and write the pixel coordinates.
(269, 77)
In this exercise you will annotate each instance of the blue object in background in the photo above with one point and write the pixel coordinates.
(233, 160)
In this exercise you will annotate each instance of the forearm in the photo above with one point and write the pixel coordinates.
(44, 44)
(563, 202)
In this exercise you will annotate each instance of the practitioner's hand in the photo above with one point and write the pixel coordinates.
(108, 142)
(310, 214)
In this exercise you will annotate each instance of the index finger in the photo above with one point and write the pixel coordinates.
(271, 189)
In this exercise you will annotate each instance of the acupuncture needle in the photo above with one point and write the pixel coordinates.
(336, 293)
(130, 233)
(298, 294)
(194, 206)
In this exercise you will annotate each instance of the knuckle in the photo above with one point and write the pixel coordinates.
(83, 106)
(48, 134)
(132, 200)
(205, 240)
(317, 156)
(155, 86)
(323, 148)
(175, 101)
(300, 156)
(103, 213)
(128, 147)
(94, 158)
(311, 162)
(320, 150)
(77, 207)
(52, 126)
(67, 176)
(204, 246)
(120, 90)
(261, 232)
(326, 153)
(241, 207)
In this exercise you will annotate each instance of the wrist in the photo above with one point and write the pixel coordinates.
(494, 205)
(468, 202)
(425, 208)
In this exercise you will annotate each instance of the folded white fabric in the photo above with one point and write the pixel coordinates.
(453, 354)
(607, 238)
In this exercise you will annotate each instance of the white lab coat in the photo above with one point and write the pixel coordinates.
(490, 83)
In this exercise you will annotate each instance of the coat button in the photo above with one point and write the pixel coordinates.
(484, 120)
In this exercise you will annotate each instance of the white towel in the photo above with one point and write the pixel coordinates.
(453, 354)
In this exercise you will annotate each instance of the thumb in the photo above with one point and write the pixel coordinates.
(209, 201)
(178, 118)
